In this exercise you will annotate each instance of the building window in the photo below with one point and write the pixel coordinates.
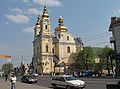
(53, 50)
(67, 37)
(45, 26)
(58, 35)
(68, 49)
(46, 47)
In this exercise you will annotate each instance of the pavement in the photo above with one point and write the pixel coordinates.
(19, 85)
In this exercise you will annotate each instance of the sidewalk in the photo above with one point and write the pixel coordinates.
(19, 85)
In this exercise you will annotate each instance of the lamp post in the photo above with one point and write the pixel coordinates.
(100, 65)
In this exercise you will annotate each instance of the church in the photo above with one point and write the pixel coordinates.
(53, 52)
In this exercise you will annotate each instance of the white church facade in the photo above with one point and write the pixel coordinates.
(53, 52)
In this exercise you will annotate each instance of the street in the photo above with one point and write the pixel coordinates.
(91, 83)
(19, 85)
(44, 83)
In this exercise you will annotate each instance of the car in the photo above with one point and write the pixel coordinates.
(87, 73)
(67, 81)
(34, 74)
(29, 79)
(113, 86)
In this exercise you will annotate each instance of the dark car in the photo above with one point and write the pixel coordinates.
(29, 79)
(113, 86)
(87, 73)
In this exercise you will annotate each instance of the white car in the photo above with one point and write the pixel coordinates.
(67, 81)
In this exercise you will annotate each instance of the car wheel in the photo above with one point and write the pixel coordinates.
(28, 82)
(54, 86)
(68, 87)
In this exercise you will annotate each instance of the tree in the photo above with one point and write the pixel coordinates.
(7, 67)
(85, 59)
(105, 58)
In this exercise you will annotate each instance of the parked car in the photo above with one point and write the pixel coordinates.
(67, 81)
(88, 73)
(113, 86)
(34, 74)
(29, 79)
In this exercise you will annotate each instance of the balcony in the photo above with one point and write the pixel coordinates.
(112, 40)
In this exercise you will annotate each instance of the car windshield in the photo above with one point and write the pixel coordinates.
(31, 76)
(70, 78)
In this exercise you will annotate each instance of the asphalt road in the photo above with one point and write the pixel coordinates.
(91, 83)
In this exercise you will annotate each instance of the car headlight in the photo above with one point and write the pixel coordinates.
(30, 80)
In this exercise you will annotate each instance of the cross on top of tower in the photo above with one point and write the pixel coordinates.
(45, 14)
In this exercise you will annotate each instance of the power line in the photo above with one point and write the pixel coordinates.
(97, 36)
(102, 43)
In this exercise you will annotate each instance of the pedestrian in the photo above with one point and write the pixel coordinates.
(6, 77)
(13, 81)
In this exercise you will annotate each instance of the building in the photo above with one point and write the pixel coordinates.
(53, 52)
(115, 39)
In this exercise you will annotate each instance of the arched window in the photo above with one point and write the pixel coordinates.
(45, 26)
(67, 37)
(53, 50)
(46, 47)
(68, 49)
(58, 35)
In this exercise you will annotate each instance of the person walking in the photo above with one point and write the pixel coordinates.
(13, 80)
(6, 77)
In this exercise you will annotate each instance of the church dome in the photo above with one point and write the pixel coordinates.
(60, 27)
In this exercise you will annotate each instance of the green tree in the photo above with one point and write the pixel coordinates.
(7, 67)
(105, 59)
(85, 59)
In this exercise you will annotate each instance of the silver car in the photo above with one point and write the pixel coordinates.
(67, 81)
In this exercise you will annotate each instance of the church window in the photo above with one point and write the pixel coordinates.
(45, 26)
(46, 47)
(68, 49)
(67, 37)
(58, 35)
(53, 50)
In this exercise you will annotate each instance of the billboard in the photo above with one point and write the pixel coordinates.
(5, 56)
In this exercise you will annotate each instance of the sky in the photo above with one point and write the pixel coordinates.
(88, 19)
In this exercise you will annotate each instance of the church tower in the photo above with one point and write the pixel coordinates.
(45, 43)
(36, 46)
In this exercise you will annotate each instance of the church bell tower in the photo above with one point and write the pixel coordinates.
(45, 40)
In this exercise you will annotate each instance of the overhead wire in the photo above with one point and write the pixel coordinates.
(95, 37)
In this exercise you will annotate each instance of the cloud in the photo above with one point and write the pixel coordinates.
(28, 29)
(18, 18)
(32, 11)
(118, 11)
(15, 10)
(49, 2)
(6, 22)
(25, 1)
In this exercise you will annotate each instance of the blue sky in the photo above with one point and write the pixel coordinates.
(88, 19)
